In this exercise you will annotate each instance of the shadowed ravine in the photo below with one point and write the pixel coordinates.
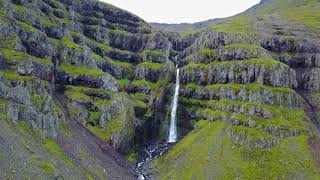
(156, 149)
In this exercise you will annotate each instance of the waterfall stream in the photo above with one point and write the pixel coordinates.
(173, 124)
(156, 149)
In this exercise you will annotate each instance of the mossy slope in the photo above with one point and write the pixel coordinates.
(207, 153)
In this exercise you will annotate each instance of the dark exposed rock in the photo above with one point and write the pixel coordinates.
(37, 44)
(103, 82)
(284, 44)
(277, 75)
(55, 32)
(259, 96)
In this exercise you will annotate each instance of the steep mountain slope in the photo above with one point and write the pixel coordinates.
(80, 73)
(81, 79)
(250, 95)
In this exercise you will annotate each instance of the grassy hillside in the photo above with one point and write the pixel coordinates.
(208, 153)
(231, 138)
(304, 12)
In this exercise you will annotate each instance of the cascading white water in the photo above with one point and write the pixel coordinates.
(173, 125)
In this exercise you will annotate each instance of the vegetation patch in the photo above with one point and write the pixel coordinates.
(235, 25)
(302, 12)
(27, 27)
(70, 44)
(113, 127)
(21, 56)
(150, 65)
(124, 65)
(75, 95)
(19, 8)
(48, 167)
(89, 90)
(207, 152)
(8, 42)
(81, 71)
(238, 87)
(14, 77)
(263, 61)
(143, 83)
(123, 84)
(51, 146)
(154, 56)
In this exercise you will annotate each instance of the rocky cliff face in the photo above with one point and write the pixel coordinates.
(82, 61)
(79, 77)
(248, 96)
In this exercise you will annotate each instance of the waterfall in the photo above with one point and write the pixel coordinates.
(173, 125)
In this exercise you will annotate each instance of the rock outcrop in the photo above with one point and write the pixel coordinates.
(249, 97)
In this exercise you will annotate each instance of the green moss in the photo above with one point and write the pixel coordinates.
(132, 156)
(20, 56)
(75, 95)
(113, 127)
(253, 87)
(95, 27)
(237, 87)
(26, 127)
(263, 61)
(123, 84)
(3, 17)
(14, 77)
(143, 83)
(26, 26)
(276, 111)
(51, 146)
(101, 103)
(207, 152)
(4, 117)
(140, 104)
(252, 49)
(97, 57)
(192, 86)
(141, 96)
(253, 134)
(216, 113)
(154, 55)
(19, 8)
(48, 167)
(151, 65)
(85, 90)
(235, 25)
(120, 32)
(55, 42)
(8, 42)
(94, 117)
(38, 101)
(46, 22)
(81, 71)
(3, 101)
(70, 44)
(102, 46)
(11, 54)
(123, 65)
(208, 53)
(189, 58)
